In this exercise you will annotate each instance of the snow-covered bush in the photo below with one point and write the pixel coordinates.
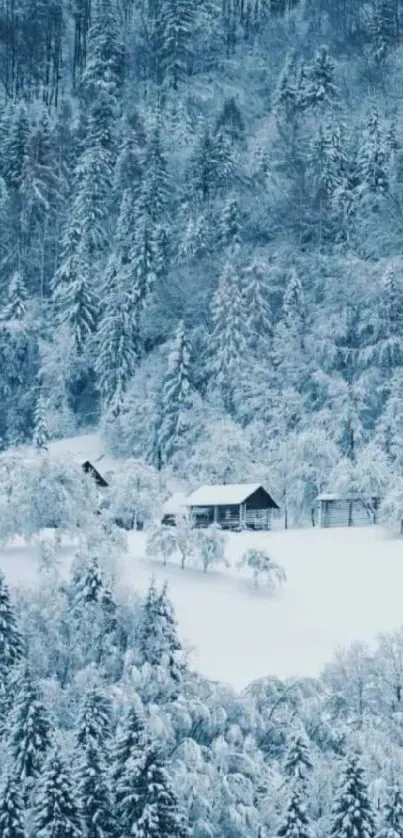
(262, 566)
(185, 537)
(210, 546)
(161, 542)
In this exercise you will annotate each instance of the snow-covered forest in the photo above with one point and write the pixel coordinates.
(106, 730)
(200, 237)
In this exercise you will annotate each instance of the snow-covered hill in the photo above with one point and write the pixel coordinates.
(343, 586)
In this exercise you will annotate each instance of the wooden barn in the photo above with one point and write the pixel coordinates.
(88, 468)
(339, 511)
(232, 506)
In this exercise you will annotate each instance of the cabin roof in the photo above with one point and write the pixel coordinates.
(226, 494)
(175, 504)
(334, 497)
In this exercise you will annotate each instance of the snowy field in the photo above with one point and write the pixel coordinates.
(343, 585)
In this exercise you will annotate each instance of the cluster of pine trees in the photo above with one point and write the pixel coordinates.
(201, 216)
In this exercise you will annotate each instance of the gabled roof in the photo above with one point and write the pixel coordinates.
(226, 494)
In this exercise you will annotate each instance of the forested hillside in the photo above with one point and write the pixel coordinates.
(201, 235)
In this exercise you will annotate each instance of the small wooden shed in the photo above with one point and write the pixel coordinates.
(338, 511)
(88, 468)
(232, 506)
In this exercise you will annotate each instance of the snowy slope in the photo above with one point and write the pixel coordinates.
(343, 585)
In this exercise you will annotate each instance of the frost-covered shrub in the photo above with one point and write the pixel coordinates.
(210, 546)
(161, 543)
(262, 566)
(391, 511)
(134, 498)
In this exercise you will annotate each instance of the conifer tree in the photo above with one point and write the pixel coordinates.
(230, 226)
(228, 336)
(176, 395)
(94, 793)
(149, 806)
(298, 762)
(296, 822)
(16, 146)
(352, 814)
(157, 642)
(94, 722)
(56, 813)
(255, 291)
(320, 88)
(389, 337)
(16, 305)
(30, 733)
(41, 431)
(177, 20)
(392, 815)
(129, 746)
(372, 160)
(11, 644)
(11, 810)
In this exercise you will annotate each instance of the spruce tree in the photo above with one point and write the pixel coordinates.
(228, 336)
(255, 292)
(16, 146)
(352, 814)
(30, 732)
(298, 762)
(320, 88)
(392, 815)
(150, 807)
(56, 813)
(157, 641)
(177, 21)
(41, 431)
(11, 810)
(11, 644)
(94, 793)
(230, 226)
(94, 722)
(372, 173)
(296, 822)
(129, 746)
(176, 395)
(389, 336)
(16, 305)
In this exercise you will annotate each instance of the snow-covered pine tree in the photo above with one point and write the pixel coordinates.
(177, 21)
(12, 816)
(30, 734)
(124, 298)
(229, 334)
(352, 814)
(41, 431)
(150, 807)
(255, 292)
(11, 643)
(94, 722)
(16, 304)
(230, 226)
(389, 325)
(94, 793)
(289, 337)
(320, 88)
(75, 298)
(392, 815)
(296, 822)
(176, 397)
(16, 146)
(56, 813)
(372, 172)
(129, 746)
(298, 763)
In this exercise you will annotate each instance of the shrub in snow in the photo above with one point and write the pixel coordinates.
(135, 495)
(185, 537)
(210, 546)
(262, 565)
(161, 542)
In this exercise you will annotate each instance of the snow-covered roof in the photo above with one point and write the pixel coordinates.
(175, 504)
(329, 497)
(222, 495)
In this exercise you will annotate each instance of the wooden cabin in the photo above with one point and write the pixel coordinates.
(338, 511)
(233, 506)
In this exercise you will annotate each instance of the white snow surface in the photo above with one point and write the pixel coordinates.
(343, 585)
(226, 493)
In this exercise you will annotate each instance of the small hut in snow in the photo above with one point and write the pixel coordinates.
(232, 506)
(339, 511)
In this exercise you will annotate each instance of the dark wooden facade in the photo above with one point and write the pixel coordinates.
(254, 512)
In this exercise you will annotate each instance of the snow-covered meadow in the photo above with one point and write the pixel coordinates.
(343, 586)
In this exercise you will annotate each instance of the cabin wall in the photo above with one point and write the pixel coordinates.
(344, 513)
